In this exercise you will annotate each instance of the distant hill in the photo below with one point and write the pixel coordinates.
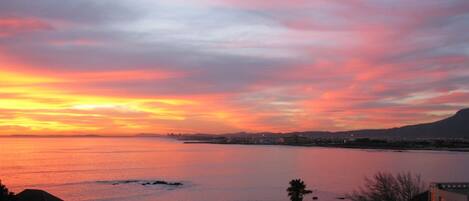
(456, 126)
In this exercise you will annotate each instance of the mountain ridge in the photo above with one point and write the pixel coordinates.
(455, 126)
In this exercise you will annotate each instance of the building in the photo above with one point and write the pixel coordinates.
(36, 195)
(422, 197)
(449, 192)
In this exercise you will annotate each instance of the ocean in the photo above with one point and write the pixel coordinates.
(96, 168)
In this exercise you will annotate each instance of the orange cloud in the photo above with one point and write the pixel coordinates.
(268, 65)
(33, 107)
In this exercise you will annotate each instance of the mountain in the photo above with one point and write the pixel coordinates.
(456, 126)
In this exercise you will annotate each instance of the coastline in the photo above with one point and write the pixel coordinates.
(395, 149)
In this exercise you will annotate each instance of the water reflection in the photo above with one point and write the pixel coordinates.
(69, 167)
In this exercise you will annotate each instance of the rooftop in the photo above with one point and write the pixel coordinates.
(36, 195)
(456, 187)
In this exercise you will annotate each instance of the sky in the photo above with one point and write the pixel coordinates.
(218, 66)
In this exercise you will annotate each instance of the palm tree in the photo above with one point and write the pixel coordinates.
(297, 190)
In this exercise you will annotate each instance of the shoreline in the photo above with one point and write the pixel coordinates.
(395, 149)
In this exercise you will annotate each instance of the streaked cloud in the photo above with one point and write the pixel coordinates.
(227, 65)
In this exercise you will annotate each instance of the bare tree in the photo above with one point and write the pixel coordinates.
(389, 187)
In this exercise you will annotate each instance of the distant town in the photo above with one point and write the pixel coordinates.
(361, 143)
(450, 134)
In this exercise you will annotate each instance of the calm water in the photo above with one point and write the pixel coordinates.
(71, 167)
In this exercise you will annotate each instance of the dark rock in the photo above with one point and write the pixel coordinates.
(145, 182)
(160, 182)
(176, 184)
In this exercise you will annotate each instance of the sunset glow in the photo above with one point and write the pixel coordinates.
(122, 67)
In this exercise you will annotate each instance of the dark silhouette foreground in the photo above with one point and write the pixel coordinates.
(389, 187)
(26, 195)
(5, 194)
(297, 190)
(36, 195)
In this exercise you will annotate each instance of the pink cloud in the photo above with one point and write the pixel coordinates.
(449, 98)
(13, 25)
(350, 65)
